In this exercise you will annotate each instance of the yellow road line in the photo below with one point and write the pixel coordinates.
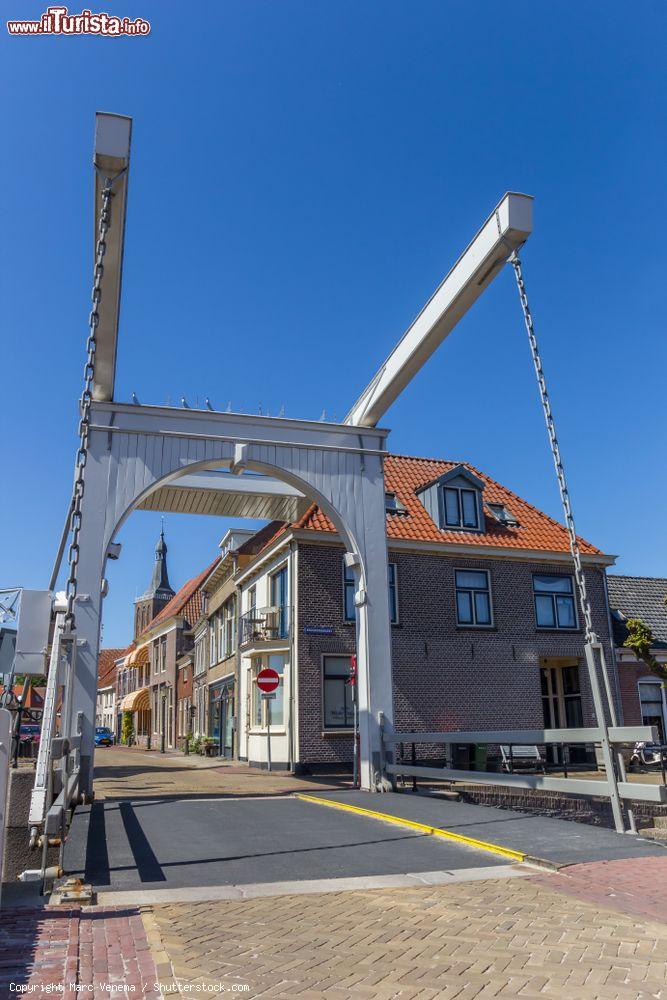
(435, 831)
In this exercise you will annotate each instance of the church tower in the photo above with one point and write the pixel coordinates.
(159, 592)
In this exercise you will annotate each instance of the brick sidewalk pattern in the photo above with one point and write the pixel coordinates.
(637, 887)
(513, 938)
(92, 948)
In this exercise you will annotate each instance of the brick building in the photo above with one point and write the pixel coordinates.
(485, 626)
(643, 697)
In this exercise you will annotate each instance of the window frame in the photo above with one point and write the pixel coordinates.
(460, 525)
(349, 584)
(553, 594)
(330, 728)
(471, 590)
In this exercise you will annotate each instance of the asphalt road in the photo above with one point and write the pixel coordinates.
(152, 844)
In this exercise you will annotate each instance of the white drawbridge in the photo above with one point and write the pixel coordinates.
(133, 456)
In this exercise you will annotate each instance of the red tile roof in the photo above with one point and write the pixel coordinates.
(106, 667)
(188, 602)
(405, 475)
(34, 696)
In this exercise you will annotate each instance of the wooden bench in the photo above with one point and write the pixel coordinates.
(524, 756)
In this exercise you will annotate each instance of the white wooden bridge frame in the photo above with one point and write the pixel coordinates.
(136, 451)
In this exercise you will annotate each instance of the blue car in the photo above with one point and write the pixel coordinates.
(103, 737)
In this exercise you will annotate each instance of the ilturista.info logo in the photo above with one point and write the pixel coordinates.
(58, 21)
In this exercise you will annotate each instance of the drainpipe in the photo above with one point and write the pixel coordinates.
(236, 734)
(617, 689)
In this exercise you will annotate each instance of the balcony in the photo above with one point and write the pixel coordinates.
(261, 625)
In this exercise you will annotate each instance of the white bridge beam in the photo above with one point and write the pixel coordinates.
(112, 160)
(507, 228)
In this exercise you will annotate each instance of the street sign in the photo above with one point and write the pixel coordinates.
(268, 680)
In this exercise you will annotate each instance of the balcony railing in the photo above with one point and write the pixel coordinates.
(265, 624)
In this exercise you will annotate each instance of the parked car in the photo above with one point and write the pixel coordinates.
(103, 737)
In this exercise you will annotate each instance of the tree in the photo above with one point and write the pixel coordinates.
(127, 728)
(640, 640)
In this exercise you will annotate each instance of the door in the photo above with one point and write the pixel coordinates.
(279, 600)
(562, 708)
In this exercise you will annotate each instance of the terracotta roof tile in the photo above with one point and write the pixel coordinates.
(106, 665)
(186, 602)
(404, 475)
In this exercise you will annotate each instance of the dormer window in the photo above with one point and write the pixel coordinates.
(393, 505)
(502, 514)
(454, 500)
(461, 509)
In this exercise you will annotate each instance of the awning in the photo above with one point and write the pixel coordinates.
(136, 701)
(138, 657)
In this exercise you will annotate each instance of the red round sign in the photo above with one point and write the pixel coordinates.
(268, 680)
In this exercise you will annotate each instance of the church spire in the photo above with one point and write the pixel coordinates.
(160, 586)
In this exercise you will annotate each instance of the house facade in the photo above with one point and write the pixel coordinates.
(643, 696)
(486, 632)
(105, 708)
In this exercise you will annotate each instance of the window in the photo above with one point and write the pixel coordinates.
(561, 697)
(213, 640)
(554, 601)
(349, 609)
(502, 514)
(393, 505)
(221, 635)
(279, 600)
(461, 508)
(473, 597)
(393, 594)
(650, 699)
(259, 710)
(228, 623)
(338, 694)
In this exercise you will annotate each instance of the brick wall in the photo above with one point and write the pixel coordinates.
(628, 677)
(445, 677)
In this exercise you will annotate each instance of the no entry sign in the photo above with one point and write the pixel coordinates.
(268, 680)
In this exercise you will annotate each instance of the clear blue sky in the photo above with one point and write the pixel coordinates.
(303, 176)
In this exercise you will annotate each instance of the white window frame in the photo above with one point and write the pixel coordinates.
(473, 624)
(325, 727)
(554, 594)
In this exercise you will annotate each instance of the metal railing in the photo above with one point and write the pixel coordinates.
(606, 787)
(265, 624)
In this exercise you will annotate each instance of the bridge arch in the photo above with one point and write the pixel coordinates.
(134, 450)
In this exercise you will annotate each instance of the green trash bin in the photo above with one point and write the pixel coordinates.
(480, 756)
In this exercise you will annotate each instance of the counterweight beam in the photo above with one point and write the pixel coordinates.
(507, 228)
(111, 160)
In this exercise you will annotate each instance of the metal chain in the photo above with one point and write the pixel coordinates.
(555, 450)
(84, 406)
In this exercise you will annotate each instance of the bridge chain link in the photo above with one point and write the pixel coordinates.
(84, 406)
(555, 449)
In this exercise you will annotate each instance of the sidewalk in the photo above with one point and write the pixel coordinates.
(589, 932)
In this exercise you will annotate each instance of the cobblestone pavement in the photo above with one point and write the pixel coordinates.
(138, 774)
(531, 937)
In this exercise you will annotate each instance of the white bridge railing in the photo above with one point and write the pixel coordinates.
(606, 786)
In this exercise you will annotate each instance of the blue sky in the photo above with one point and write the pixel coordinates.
(303, 176)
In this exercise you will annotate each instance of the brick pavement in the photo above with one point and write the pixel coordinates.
(121, 773)
(517, 938)
(76, 952)
(589, 932)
